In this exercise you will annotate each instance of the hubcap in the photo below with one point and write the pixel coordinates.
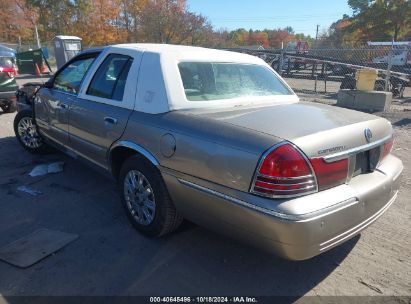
(139, 197)
(28, 133)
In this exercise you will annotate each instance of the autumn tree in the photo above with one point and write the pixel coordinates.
(102, 22)
(98, 22)
(238, 37)
(258, 39)
(337, 34)
(16, 21)
(131, 13)
(169, 21)
(379, 19)
(279, 36)
(54, 16)
(201, 31)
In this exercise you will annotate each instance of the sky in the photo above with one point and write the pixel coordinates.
(302, 15)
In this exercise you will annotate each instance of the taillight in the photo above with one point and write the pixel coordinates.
(330, 174)
(10, 72)
(387, 148)
(284, 172)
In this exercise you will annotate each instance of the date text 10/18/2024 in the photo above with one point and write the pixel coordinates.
(203, 300)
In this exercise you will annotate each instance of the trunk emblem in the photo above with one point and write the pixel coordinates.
(368, 135)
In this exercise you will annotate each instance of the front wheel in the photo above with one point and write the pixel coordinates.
(145, 198)
(27, 133)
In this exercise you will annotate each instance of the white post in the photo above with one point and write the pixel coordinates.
(389, 67)
(281, 63)
(37, 37)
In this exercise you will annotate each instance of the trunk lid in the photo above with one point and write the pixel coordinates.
(317, 129)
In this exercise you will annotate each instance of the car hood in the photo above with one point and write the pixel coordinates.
(311, 126)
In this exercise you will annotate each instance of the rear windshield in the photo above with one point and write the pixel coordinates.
(214, 81)
(6, 62)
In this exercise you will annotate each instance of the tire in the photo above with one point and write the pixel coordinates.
(10, 108)
(27, 133)
(379, 85)
(149, 207)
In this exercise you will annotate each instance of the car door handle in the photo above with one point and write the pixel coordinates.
(63, 106)
(110, 120)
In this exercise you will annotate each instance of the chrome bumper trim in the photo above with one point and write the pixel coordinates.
(344, 154)
(289, 217)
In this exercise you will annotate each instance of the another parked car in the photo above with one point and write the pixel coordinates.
(220, 139)
(8, 51)
(8, 85)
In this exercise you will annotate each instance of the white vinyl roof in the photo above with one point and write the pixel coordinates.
(68, 37)
(160, 88)
(182, 52)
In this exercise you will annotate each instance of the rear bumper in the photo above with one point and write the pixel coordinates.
(7, 98)
(7, 94)
(285, 228)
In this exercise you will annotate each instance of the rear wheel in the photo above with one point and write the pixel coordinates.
(27, 133)
(145, 198)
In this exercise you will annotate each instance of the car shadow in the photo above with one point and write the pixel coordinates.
(403, 122)
(110, 258)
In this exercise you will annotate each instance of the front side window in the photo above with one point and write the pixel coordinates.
(70, 78)
(110, 78)
(204, 81)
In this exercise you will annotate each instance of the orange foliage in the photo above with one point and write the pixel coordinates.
(100, 27)
(16, 21)
(342, 24)
(102, 22)
(259, 38)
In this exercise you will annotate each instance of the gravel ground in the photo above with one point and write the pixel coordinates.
(110, 258)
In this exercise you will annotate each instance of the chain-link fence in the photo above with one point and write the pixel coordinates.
(320, 72)
(324, 71)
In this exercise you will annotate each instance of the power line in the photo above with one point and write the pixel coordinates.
(286, 18)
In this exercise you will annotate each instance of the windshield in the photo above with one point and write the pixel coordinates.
(213, 81)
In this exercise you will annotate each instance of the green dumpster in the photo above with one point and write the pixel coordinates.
(26, 61)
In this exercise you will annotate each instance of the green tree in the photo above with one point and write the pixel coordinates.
(54, 16)
(169, 21)
(380, 19)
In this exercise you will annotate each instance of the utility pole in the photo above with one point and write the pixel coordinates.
(316, 35)
(37, 37)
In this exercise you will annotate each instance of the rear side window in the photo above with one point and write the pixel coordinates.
(110, 79)
(205, 81)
